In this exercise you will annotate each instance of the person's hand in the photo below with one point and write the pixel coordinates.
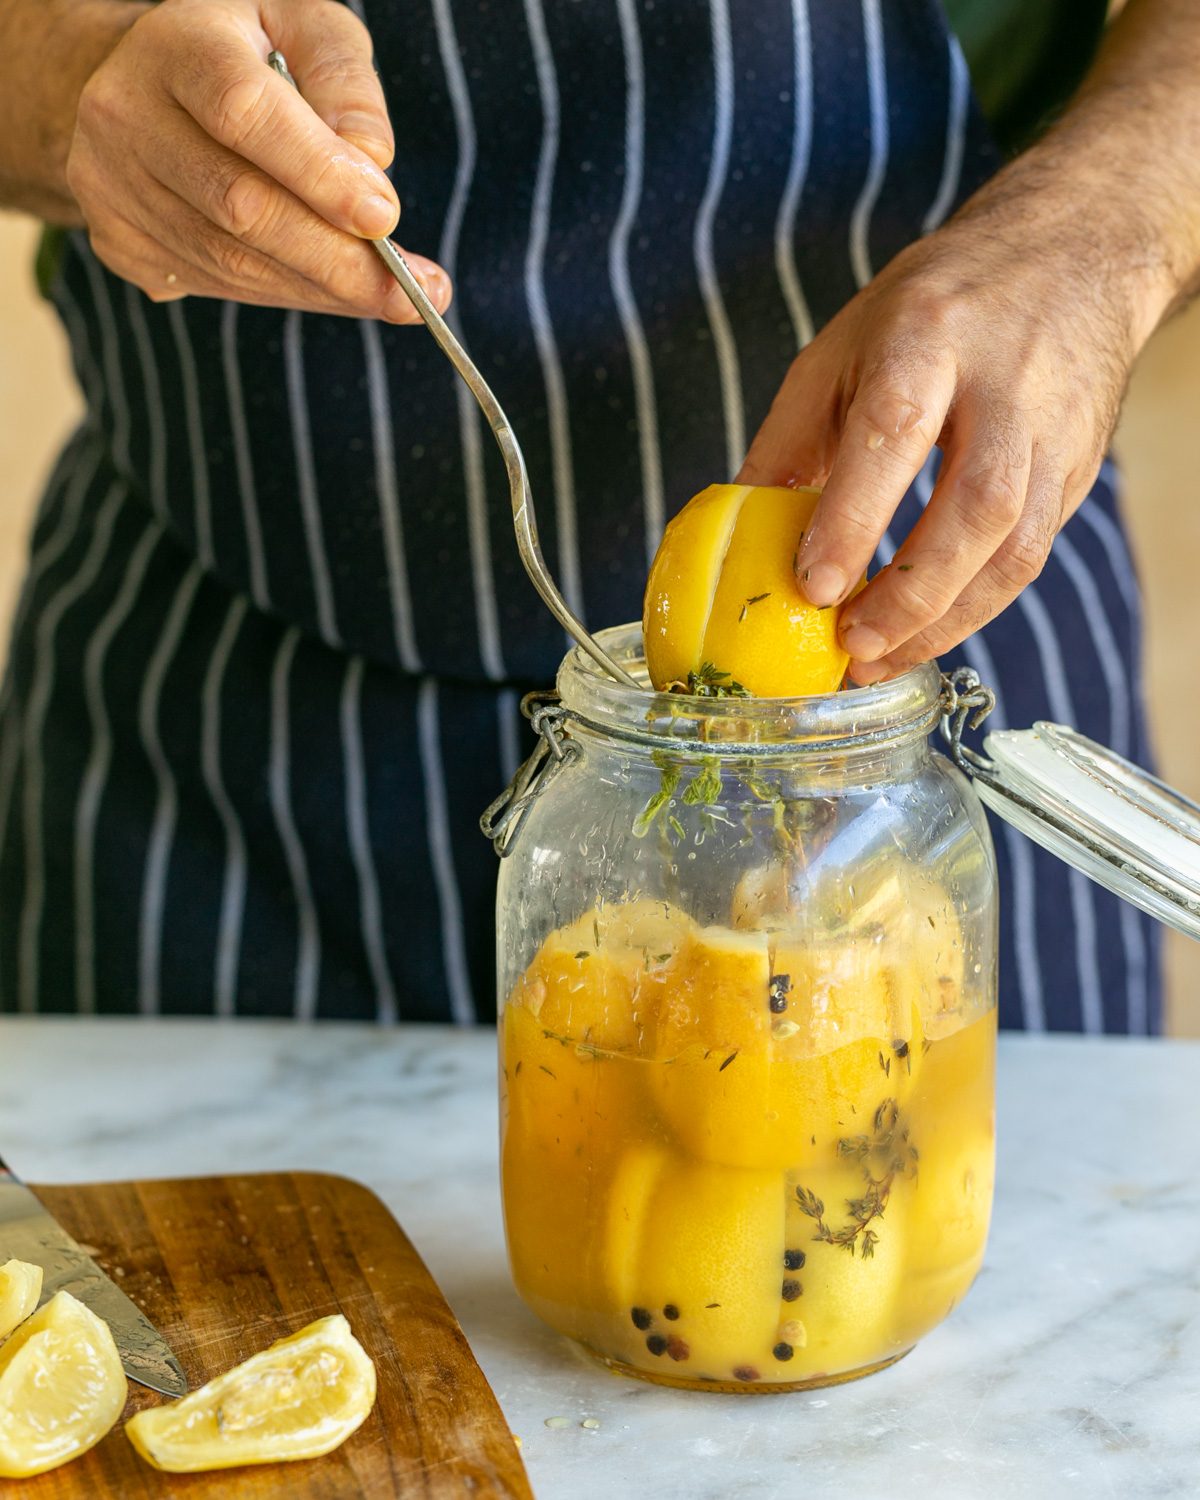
(198, 170)
(1005, 338)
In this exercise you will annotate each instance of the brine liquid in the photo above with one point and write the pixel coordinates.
(721, 1172)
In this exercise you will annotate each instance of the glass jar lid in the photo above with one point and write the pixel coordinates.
(1097, 811)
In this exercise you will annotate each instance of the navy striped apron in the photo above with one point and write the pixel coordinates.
(266, 667)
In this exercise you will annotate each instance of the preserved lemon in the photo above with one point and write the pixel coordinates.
(722, 601)
(20, 1288)
(300, 1398)
(748, 1159)
(61, 1388)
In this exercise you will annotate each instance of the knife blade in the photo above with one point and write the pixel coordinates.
(28, 1232)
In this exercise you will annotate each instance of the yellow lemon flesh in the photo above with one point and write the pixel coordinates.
(300, 1398)
(61, 1388)
(722, 590)
(20, 1288)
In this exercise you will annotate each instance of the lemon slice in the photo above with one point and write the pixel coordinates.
(61, 1388)
(20, 1288)
(300, 1398)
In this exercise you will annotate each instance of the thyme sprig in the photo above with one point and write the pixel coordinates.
(709, 682)
(885, 1154)
(667, 787)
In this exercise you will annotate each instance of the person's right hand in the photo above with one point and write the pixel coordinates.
(199, 170)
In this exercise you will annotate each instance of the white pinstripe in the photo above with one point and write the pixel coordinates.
(197, 449)
(441, 855)
(391, 523)
(152, 390)
(233, 884)
(358, 831)
(66, 528)
(570, 579)
(1120, 737)
(956, 131)
(860, 219)
(789, 204)
(306, 477)
(508, 718)
(166, 803)
(732, 401)
(641, 368)
(1020, 851)
(1115, 546)
(1082, 905)
(110, 348)
(99, 761)
(34, 896)
(68, 310)
(242, 457)
(469, 417)
(308, 941)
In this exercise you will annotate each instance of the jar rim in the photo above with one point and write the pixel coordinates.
(885, 713)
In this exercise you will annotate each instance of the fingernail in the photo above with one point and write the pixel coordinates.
(375, 216)
(867, 672)
(823, 583)
(863, 643)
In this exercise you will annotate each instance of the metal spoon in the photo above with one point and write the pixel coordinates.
(524, 520)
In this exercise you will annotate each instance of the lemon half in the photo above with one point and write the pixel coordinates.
(20, 1288)
(722, 591)
(61, 1388)
(300, 1398)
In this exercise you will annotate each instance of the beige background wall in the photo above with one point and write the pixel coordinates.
(1159, 443)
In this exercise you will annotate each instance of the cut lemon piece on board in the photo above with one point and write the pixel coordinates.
(300, 1398)
(61, 1388)
(20, 1288)
(722, 592)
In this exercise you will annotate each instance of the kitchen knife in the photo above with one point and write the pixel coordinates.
(28, 1233)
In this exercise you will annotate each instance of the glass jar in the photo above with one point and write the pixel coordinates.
(747, 966)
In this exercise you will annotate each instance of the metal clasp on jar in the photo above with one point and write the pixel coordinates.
(965, 704)
(555, 750)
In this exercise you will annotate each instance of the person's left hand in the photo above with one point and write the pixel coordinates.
(1006, 338)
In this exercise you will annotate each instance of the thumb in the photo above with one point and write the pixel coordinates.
(329, 54)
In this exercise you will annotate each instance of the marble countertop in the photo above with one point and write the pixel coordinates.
(1073, 1368)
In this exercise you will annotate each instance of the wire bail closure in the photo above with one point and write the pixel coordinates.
(554, 751)
(966, 703)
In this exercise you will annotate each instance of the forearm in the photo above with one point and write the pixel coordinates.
(48, 50)
(1117, 180)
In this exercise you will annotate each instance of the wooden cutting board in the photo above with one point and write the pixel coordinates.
(226, 1265)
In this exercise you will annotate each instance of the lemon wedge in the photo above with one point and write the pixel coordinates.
(20, 1288)
(300, 1398)
(722, 594)
(61, 1388)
